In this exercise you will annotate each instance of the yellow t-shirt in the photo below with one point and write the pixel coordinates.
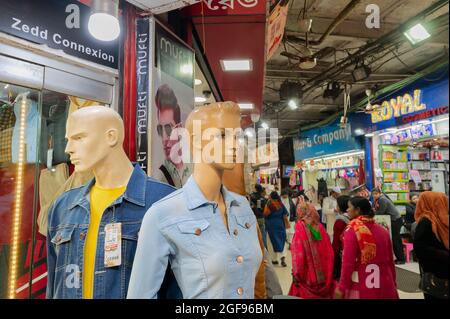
(100, 199)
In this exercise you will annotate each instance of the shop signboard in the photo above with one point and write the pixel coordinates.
(327, 140)
(172, 99)
(227, 7)
(143, 72)
(417, 102)
(57, 24)
(275, 28)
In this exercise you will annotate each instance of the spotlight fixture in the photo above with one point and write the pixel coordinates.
(104, 20)
(291, 90)
(417, 34)
(264, 125)
(361, 72)
(332, 91)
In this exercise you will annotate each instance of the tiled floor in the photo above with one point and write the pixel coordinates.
(285, 277)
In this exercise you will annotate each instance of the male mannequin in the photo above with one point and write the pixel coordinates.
(93, 230)
(208, 233)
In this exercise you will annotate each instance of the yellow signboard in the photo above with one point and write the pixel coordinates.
(400, 106)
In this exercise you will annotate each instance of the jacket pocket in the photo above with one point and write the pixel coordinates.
(63, 245)
(195, 227)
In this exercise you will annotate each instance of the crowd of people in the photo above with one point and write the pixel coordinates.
(340, 252)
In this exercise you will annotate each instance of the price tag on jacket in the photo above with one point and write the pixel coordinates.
(113, 245)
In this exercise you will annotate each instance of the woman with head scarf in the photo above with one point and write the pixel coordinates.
(312, 256)
(368, 270)
(431, 240)
(274, 213)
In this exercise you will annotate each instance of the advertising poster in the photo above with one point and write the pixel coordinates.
(172, 101)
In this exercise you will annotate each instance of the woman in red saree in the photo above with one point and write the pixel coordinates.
(312, 256)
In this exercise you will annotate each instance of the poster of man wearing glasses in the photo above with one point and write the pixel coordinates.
(173, 100)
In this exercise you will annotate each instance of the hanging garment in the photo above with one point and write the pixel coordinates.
(7, 121)
(362, 174)
(293, 179)
(322, 187)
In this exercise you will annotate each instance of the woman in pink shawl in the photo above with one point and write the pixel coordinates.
(312, 256)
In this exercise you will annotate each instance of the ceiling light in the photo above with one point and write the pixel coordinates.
(369, 135)
(6, 86)
(104, 20)
(246, 106)
(200, 99)
(359, 131)
(236, 65)
(417, 34)
(249, 133)
(293, 105)
(264, 125)
(198, 82)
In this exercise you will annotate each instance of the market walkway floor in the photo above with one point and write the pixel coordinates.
(407, 278)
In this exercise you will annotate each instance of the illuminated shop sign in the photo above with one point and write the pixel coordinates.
(398, 107)
(427, 114)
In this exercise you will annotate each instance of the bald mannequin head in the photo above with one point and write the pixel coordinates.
(95, 134)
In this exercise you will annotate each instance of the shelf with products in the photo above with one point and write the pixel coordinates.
(395, 170)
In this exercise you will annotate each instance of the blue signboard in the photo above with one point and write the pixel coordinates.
(325, 140)
(421, 100)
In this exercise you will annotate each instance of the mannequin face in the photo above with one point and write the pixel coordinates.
(218, 126)
(92, 135)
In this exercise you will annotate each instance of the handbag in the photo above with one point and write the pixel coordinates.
(434, 286)
(287, 225)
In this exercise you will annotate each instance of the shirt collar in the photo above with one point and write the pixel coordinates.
(134, 193)
(195, 198)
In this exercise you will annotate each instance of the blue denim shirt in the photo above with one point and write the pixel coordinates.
(208, 262)
(67, 228)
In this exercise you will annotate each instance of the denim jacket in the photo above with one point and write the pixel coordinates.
(208, 260)
(67, 228)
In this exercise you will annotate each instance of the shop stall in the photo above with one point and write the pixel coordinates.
(48, 69)
(408, 134)
(329, 156)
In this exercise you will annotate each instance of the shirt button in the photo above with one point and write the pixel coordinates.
(82, 236)
(240, 291)
(240, 259)
(247, 225)
(235, 232)
(198, 231)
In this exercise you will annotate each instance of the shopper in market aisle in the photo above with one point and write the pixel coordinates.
(410, 211)
(275, 214)
(340, 225)
(312, 256)
(257, 203)
(291, 208)
(431, 243)
(329, 208)
(384, 206)
(368, 270)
